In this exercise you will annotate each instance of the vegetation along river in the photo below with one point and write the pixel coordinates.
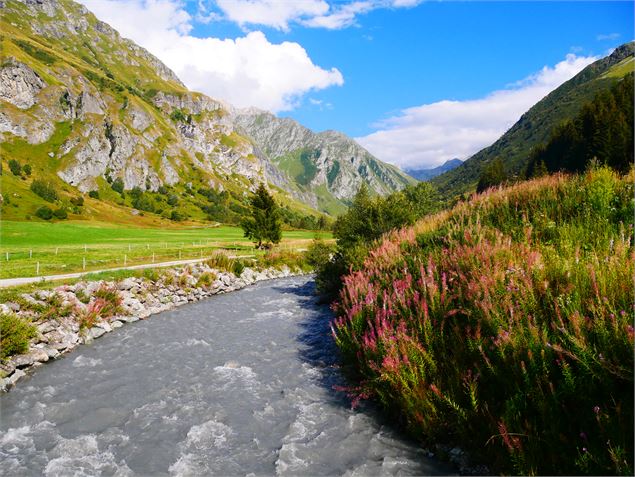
(237, 384)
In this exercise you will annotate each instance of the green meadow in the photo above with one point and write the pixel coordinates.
(66, 247)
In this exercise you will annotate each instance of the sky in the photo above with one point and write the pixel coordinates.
(415, 82)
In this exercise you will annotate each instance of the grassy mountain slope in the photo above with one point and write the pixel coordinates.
(535, 126)
(85, 108)
(505, 325)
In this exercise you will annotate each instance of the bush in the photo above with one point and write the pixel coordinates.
(15, 334)
(27, 169)
(60, 214)
(77, 201)
(44, 189)
(15, 167)
(176, 216)
(93, 194)
(44, 212)
(117, 185)
(238, 267)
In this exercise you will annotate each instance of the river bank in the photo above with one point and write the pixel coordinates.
(71, 315)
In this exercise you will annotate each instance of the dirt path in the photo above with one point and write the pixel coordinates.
(12, 282)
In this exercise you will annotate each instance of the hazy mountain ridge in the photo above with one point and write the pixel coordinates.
(427, 174)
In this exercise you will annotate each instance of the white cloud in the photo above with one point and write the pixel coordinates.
(311, 13)
(428, 135)
(609, 36)
(246, 71)
(273, 13)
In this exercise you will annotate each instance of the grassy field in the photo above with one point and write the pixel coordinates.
(67, 247)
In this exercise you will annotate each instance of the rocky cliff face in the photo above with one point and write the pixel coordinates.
(329, 166)
(130, 116)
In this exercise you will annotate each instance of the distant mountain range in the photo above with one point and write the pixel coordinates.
(427, 174)
(535, 126)
(86, 108)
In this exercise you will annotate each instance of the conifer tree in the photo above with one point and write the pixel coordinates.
(263, 224)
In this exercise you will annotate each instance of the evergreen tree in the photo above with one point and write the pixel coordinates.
(263, 225)
(493, 175)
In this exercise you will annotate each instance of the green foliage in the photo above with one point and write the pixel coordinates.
(493, 175)
(173, 200)
(505, 325)
(36, 52)
(27, 169)
(44, 212)
(60, 214)
(15, 333)
(44, 189)
(367, 219)
(601, 132)
(15, 167)
(263, 224)
(117, 185)
(77, 201)
(178, 115)
(177, 216)
(93, 194)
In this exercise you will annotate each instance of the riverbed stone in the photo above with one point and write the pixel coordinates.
(47, 326)
(95, 332)
(30, 358)
(116, 324)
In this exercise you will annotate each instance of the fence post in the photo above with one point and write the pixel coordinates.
(31, 253)
(125, 259)
(83, 263)
(179, 255)
(7, 256)
(56, 250)
(85, 248)
(37, 269)
(152, 257)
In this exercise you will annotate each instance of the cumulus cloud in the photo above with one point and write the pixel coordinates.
(246, 71)
(428, 135)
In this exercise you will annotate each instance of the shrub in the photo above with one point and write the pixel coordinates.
(93, 194)
(44, 212)
(15, 167)
(206, 279)
(27, 169)
(60, 214)
(220, 261)
(117, 185)
(238, 268)
(77, 201)
(507, 324)
(176, 216)
(44, 189)
(111, 298)
(15, 333)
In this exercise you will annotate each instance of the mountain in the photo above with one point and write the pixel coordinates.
(427, 174)
(90, 111)
(535, 126)
(326, 168)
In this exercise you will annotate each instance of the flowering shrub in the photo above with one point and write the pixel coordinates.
(506, 325)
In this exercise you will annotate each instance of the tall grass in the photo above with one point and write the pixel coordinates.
(506, 325)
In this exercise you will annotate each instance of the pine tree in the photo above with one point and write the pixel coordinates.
(263, 225)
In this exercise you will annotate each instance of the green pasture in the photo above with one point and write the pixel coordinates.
(66, 247)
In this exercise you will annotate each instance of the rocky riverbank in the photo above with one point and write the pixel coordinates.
(70, 315)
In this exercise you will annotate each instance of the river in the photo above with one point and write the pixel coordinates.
(238, 384)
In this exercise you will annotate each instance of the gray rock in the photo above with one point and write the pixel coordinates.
(95, 332)
(30, 358)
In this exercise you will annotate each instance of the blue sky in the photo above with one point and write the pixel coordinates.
(386, 72)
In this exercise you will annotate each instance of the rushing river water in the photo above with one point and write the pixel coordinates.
(237, 384)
